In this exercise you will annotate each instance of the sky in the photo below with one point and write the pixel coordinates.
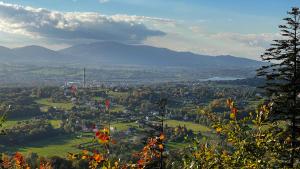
(243, 28)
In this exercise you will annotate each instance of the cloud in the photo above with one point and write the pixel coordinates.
(207, 45)
(196, 29)
(198, 39)
(262, 40)
(54, 29)
(103, 1)
(43, 23)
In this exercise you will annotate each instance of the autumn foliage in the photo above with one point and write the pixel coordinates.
(250, 142)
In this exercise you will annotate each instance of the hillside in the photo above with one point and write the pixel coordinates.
(125, 54)
(113, 53)
(117, 61)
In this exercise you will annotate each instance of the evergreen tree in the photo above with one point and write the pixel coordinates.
(3, 114)
(283, 76)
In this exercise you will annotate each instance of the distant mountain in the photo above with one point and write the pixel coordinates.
(112, 61)
(6, 55)
(113, 53)
(118, 53)
(38, 54)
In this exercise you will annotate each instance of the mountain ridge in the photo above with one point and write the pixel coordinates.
(155, 56)
(115, 53)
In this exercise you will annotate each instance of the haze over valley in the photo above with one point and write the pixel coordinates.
(113, 61)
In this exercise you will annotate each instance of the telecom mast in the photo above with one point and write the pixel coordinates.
(84, 82)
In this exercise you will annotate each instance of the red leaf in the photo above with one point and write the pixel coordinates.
(107, 103)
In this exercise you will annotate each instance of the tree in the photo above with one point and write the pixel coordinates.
(2, 120)
(249, 142)
(283, 75)
(3, 117)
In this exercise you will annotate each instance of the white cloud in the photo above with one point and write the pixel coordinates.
(199, 40)
(66, 28)
(262, 40)
(196, 29)
(43, 23)
(104, 1)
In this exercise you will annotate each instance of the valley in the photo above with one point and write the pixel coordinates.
(68, 118)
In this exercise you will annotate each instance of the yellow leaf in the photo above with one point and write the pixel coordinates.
(232, 116)
(218, 129)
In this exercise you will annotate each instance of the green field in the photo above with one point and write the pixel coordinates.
(174, 145)
(124, 126)
(9, 123)
(55, 123)
(48, 103)
(59, 146)
(12, 123)
(97, 98)
(193, 126)
(117, 94)
(117, 108)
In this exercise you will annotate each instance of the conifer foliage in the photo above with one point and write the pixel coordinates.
(283, 76)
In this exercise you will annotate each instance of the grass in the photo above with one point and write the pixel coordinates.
(12, 123)
(175, 145)
(124, 126)
(96, 98)
(54, 146)
(117, 108)
(117, 94)
(55, 123)
(48, 103)
(60, 145)
(9, 123)
(193, 126)
(48, 71)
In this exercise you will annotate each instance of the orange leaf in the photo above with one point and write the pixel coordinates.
(98, 157)
(161, 147)
(162, 137)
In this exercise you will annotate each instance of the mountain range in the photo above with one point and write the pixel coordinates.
(114, 53)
